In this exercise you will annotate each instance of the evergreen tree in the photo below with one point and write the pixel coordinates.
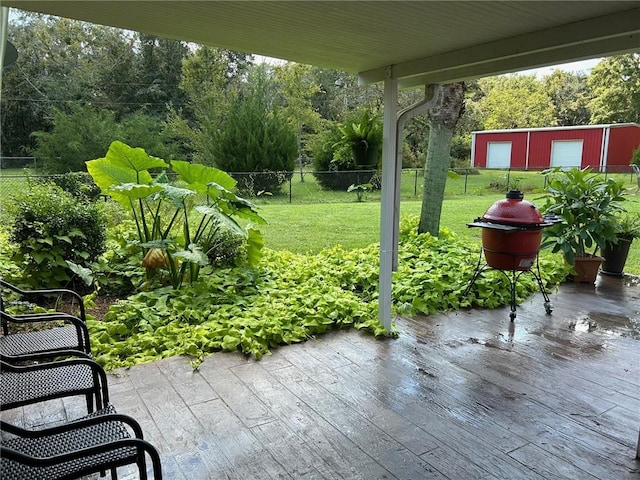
(256, 137)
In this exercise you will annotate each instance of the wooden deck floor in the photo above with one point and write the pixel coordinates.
(456, 396)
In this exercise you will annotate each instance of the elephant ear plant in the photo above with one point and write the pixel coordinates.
(173, 231)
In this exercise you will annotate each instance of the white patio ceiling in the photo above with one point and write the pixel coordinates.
(424, 41)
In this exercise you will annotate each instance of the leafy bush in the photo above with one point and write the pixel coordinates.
(169, 224)
(256, 137)
(333, 164)
(635, 157)
(78, 184)
(51, 228)
(8, 269)
(67, 147)
(222, 247)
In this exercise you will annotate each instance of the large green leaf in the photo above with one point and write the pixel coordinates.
(230, 204)
(176, 195)
(255, 242)
(133, 190)
(135, 159)
(226, 220)
(123, 165)
(194, 254)
(106, 175)
(197, 176)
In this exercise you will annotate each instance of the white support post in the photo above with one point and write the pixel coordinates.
(4, 25)
(387, 216)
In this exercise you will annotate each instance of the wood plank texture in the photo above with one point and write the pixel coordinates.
(461, 395)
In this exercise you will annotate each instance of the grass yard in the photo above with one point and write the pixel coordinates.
(311, 228)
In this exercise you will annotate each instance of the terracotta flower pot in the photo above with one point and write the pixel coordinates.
(586, 268)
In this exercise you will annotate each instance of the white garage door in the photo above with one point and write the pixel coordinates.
(498, 154)
(566, 153)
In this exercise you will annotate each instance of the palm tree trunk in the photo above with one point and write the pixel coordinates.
(443, 118)
(435, 178)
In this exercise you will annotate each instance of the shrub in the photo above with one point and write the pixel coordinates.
(333, 164)
(51, 228)
(78, 184)
(223, 247)
(635, 157)
(66, 147)
(256, 137)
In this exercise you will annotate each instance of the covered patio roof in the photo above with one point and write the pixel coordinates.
(403, 43)
(423, 41)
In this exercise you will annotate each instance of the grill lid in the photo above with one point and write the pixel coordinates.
(515, 211)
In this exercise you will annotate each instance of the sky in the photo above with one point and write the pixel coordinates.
(583, 66)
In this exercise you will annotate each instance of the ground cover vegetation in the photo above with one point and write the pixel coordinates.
(286, 298)
(176, 252)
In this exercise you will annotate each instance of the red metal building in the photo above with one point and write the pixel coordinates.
(601, 147)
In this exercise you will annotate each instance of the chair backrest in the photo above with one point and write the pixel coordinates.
(28, 384)
(59, 292)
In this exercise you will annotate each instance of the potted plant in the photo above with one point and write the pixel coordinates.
(364, 136)
(588, 205)
(616, 253)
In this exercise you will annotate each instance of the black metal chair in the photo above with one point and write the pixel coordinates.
(102, 441)
(45, 332)
(27, 384)
(58, 293)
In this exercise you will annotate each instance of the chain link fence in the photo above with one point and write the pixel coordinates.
(307, 187)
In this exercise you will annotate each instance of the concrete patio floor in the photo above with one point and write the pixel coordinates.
(460, 395)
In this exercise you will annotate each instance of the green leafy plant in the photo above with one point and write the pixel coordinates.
(587, 205)
(635, 157)
(628, 226)
(78, 184)
(360, 190)
(168, 222)
(53, 230)
(292, 297)
(364, 136)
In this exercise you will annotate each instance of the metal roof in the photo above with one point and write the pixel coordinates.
(422, 41)
(562, 127)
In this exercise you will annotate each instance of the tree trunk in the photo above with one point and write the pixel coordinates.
(443, 118)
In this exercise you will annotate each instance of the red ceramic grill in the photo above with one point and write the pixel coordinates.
(511, 236)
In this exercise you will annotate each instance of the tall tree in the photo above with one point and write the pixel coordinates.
(443, 117)
(296, 85)
(256, 136)
(159, 73)
(615, 83)
(210, 78)
(515, 101)
(62, 63)
(569, 94)
(340, 95)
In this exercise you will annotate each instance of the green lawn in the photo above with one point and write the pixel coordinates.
(310, 228)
